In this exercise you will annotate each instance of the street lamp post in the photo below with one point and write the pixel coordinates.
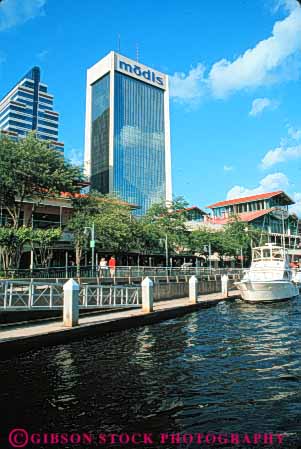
(208, 248)
(166, 251)
(165, 242)
(92, 244)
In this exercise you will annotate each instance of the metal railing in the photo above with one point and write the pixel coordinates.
(109, 296)
(128, 272)
(22, 295)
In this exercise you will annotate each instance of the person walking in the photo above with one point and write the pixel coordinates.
(112, 266)
(103, 267)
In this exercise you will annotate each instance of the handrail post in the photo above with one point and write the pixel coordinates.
(5, 294)
(147, 295)
(225, 285)
(51, 296)
(71, 303)
(193, 289)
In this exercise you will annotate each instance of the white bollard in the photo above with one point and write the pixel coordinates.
(193, 289)
(71, 303)
(224, 285)
(147, 295)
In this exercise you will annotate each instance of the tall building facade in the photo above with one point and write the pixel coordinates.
(29, 107)
(127, 141)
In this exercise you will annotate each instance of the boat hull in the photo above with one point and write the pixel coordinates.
(265, 291)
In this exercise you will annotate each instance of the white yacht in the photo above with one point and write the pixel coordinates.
(270, 277)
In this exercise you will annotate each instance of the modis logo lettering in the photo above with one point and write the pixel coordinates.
(149, 75)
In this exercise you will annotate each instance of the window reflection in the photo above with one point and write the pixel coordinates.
(100, 135)
(139, 146)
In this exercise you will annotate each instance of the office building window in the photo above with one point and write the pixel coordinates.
(139, 142)
(100, 135)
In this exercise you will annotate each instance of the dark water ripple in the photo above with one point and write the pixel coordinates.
(232, 368)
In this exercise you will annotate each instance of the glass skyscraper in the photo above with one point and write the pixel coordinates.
(127, 148)
(29, 107)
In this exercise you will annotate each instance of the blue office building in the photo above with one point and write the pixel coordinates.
(127, 147)
(29, 107)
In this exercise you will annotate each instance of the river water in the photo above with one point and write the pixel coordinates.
(231, 368)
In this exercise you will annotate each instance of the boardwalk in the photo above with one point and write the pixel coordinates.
(15, 338)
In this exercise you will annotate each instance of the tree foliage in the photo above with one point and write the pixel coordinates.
(42, 241)
(166, 221)
(230, 240)
(30, 168)
(116, 230)
(12, 242)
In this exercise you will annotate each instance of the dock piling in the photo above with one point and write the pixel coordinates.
(71, 303)
(193, 289)
(147, 295)
(225, 285)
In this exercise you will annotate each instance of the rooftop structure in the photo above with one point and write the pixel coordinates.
(266, 211)
(127, 143)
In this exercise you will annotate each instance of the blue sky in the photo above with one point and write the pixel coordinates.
(234, 71)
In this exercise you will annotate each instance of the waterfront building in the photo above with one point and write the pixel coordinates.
(267, 211)
(195, 218)
(28, 106)
(127, 137)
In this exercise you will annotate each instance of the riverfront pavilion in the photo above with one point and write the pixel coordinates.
(267, 211)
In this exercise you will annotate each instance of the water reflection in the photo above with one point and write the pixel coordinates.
(232, 368)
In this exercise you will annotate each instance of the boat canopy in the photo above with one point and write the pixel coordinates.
(268, 253)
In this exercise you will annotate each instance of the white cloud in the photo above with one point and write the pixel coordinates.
(256, 67)
(289, 5)
(228, 167)
(295, 134)
(259, 104)
(289, 149)
(15, 12)
(296, 208)
(188, 87)
(281, 154)
(75, 156)
(269, 61)
(270, 183)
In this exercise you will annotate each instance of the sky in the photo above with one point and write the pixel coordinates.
(235, 81)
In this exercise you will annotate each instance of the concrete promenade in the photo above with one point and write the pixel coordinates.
(28, 336)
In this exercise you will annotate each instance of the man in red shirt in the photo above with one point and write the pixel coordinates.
(112, 266)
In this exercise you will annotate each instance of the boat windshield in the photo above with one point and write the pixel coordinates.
(268, 253)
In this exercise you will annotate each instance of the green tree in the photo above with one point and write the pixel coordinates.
(116, 229)
(12, 242)
(42, 241)
(201, 238)
(85, 208)
(30, 169)
(161, 221)
(234, 237)
(238, 235)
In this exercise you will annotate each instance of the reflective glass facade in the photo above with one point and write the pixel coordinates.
(100, 135)
(139, 142)
(25, 108)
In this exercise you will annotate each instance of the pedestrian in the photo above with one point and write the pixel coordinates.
(112, 266)
(103, 267)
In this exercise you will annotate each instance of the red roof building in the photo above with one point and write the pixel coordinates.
(267, 211)
(260, 201)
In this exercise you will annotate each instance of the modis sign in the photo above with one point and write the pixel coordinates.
(139, 71)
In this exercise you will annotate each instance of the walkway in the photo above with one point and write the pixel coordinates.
(31, 336)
